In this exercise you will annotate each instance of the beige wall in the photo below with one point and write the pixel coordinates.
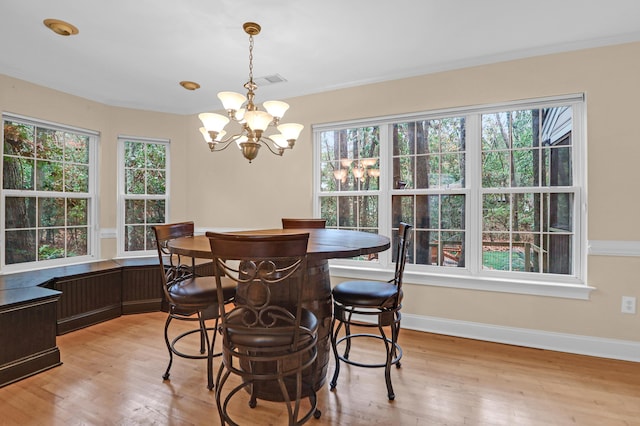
(223, 190)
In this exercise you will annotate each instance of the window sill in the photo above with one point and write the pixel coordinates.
(561, 290)
(47, 264)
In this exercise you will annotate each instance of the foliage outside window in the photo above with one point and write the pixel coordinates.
(528, 198)
(428, 172)
(489, 190)
(47, 192)
(144, 194)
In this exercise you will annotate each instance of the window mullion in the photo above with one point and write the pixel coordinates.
(473, 219)
(384, 194)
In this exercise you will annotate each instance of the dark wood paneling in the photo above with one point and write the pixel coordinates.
(141, 289)
(88, 299)
(28, 338)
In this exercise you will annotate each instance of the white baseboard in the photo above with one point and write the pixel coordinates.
(584, 345)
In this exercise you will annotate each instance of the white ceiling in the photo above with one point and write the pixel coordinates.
(133, 53)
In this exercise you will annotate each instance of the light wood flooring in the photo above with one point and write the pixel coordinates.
(112, 376)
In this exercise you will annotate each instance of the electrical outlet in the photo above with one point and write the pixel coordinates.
(628, 305)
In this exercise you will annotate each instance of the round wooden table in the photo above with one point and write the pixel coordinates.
(323, 244)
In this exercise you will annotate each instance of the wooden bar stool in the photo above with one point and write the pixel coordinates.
(190, 298)
(271, 346)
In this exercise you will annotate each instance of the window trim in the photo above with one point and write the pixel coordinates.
(574, 286)
(121, 253)
(93, 237)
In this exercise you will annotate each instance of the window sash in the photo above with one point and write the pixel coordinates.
(62, 251)
(138, 231)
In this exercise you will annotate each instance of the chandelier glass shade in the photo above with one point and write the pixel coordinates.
(253, 121)
(359, 169)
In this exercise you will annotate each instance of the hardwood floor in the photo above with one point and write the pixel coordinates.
(112, 376)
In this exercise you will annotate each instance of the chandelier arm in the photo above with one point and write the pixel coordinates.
(278, 149)
(220, 146)
(276, 144)
(230, 139)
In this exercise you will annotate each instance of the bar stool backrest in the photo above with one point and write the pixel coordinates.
(172, 269)
(265, 268)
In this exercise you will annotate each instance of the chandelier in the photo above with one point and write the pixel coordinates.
(254, 122)
(359, 168)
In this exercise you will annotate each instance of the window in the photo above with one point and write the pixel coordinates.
(48, 194)
(494, 193)
(428, 173)
(144, 193)
(528, 197)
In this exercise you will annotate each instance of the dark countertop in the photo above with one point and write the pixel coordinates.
(18, 296)
(27, 279)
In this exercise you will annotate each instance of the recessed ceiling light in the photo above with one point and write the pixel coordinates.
(60, 27)
(190, 85)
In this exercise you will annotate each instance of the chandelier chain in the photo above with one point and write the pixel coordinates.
(251, 58)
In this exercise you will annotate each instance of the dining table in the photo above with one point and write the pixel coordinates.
(323, 245)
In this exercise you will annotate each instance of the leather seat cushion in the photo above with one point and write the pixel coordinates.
(200, 292)
(280, 335)
(365, 293)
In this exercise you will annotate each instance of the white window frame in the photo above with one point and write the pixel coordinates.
(122, 197)
(472, 276)
(92, 225)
